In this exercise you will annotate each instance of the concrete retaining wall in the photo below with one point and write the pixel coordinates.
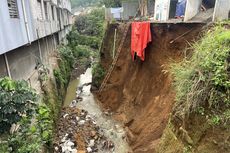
(3, 71)
(23, 61)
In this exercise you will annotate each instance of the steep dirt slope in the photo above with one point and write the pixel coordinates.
(139, 92)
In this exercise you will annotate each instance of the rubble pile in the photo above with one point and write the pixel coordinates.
(77, 132)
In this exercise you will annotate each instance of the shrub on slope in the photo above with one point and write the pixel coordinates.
(202, 82)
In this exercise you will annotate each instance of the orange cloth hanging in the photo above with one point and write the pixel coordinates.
(141, 36)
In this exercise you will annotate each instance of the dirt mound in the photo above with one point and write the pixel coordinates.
(140, 93)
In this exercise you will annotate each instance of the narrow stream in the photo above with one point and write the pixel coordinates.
(110, 128)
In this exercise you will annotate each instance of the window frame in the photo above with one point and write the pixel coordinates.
(13, 10)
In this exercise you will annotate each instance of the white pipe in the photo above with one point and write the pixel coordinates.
(114, 43)
(26, 21)
(39, 46)
(7, 66)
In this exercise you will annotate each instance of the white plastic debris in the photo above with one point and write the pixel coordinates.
(68, 147)
(91, 143)
(88, 117)
(56, 148)
(73, 103)
(64, 116)
(89, 149)
(94, 122)
(81, 122)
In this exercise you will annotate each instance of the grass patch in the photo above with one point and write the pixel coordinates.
(98, 73)
(202, 82)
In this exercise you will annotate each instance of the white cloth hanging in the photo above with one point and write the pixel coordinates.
(117, 12)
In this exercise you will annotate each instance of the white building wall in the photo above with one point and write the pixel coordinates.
(162, 10)
(192, 8)
(221, 10)
(13, 31)
(38, 25)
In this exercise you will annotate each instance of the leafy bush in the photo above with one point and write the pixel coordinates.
(17, 99)
(74, 39)
(203, 80)
(91, 24)
(81, 52)
(66, 63)
(83, 3)
(67, 55)
(45, 123)
(26, 140)
(98, 73)
(32, 134)
(112, 3)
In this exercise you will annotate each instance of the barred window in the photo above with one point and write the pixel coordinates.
(13, 8)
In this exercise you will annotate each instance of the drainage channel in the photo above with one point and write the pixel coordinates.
(80, 97)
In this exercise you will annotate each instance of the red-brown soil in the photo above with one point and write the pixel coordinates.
(140, 93)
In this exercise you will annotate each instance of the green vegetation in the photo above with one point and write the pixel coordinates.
(201, 114)
(84, 42)
(33, 135)
(62, 74)
(98, 74)
(32, 122)
(91, 24)
(86, 3)
(83, 3)
(17, 99)
(111, 3)
(202, 81)
(74, 39)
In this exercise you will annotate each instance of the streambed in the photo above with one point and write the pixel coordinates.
(80, 97)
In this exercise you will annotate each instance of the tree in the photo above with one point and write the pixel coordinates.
(83, 3)
(111, 3)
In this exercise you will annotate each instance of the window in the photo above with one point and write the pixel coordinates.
(13, 8)
(46, 11)
(39, 10)
(52, 9)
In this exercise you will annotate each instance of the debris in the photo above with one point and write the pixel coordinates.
(89, 149)
(79, 133)
(91, 143)
(81, 122)
(64, 116)
(73, 103)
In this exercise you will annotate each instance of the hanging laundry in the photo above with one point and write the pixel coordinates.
(140, 37)
(117, 12)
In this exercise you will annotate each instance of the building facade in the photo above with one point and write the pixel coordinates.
(218, 10)
(29, 31)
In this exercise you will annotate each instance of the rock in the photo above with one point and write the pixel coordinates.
(93, 133)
